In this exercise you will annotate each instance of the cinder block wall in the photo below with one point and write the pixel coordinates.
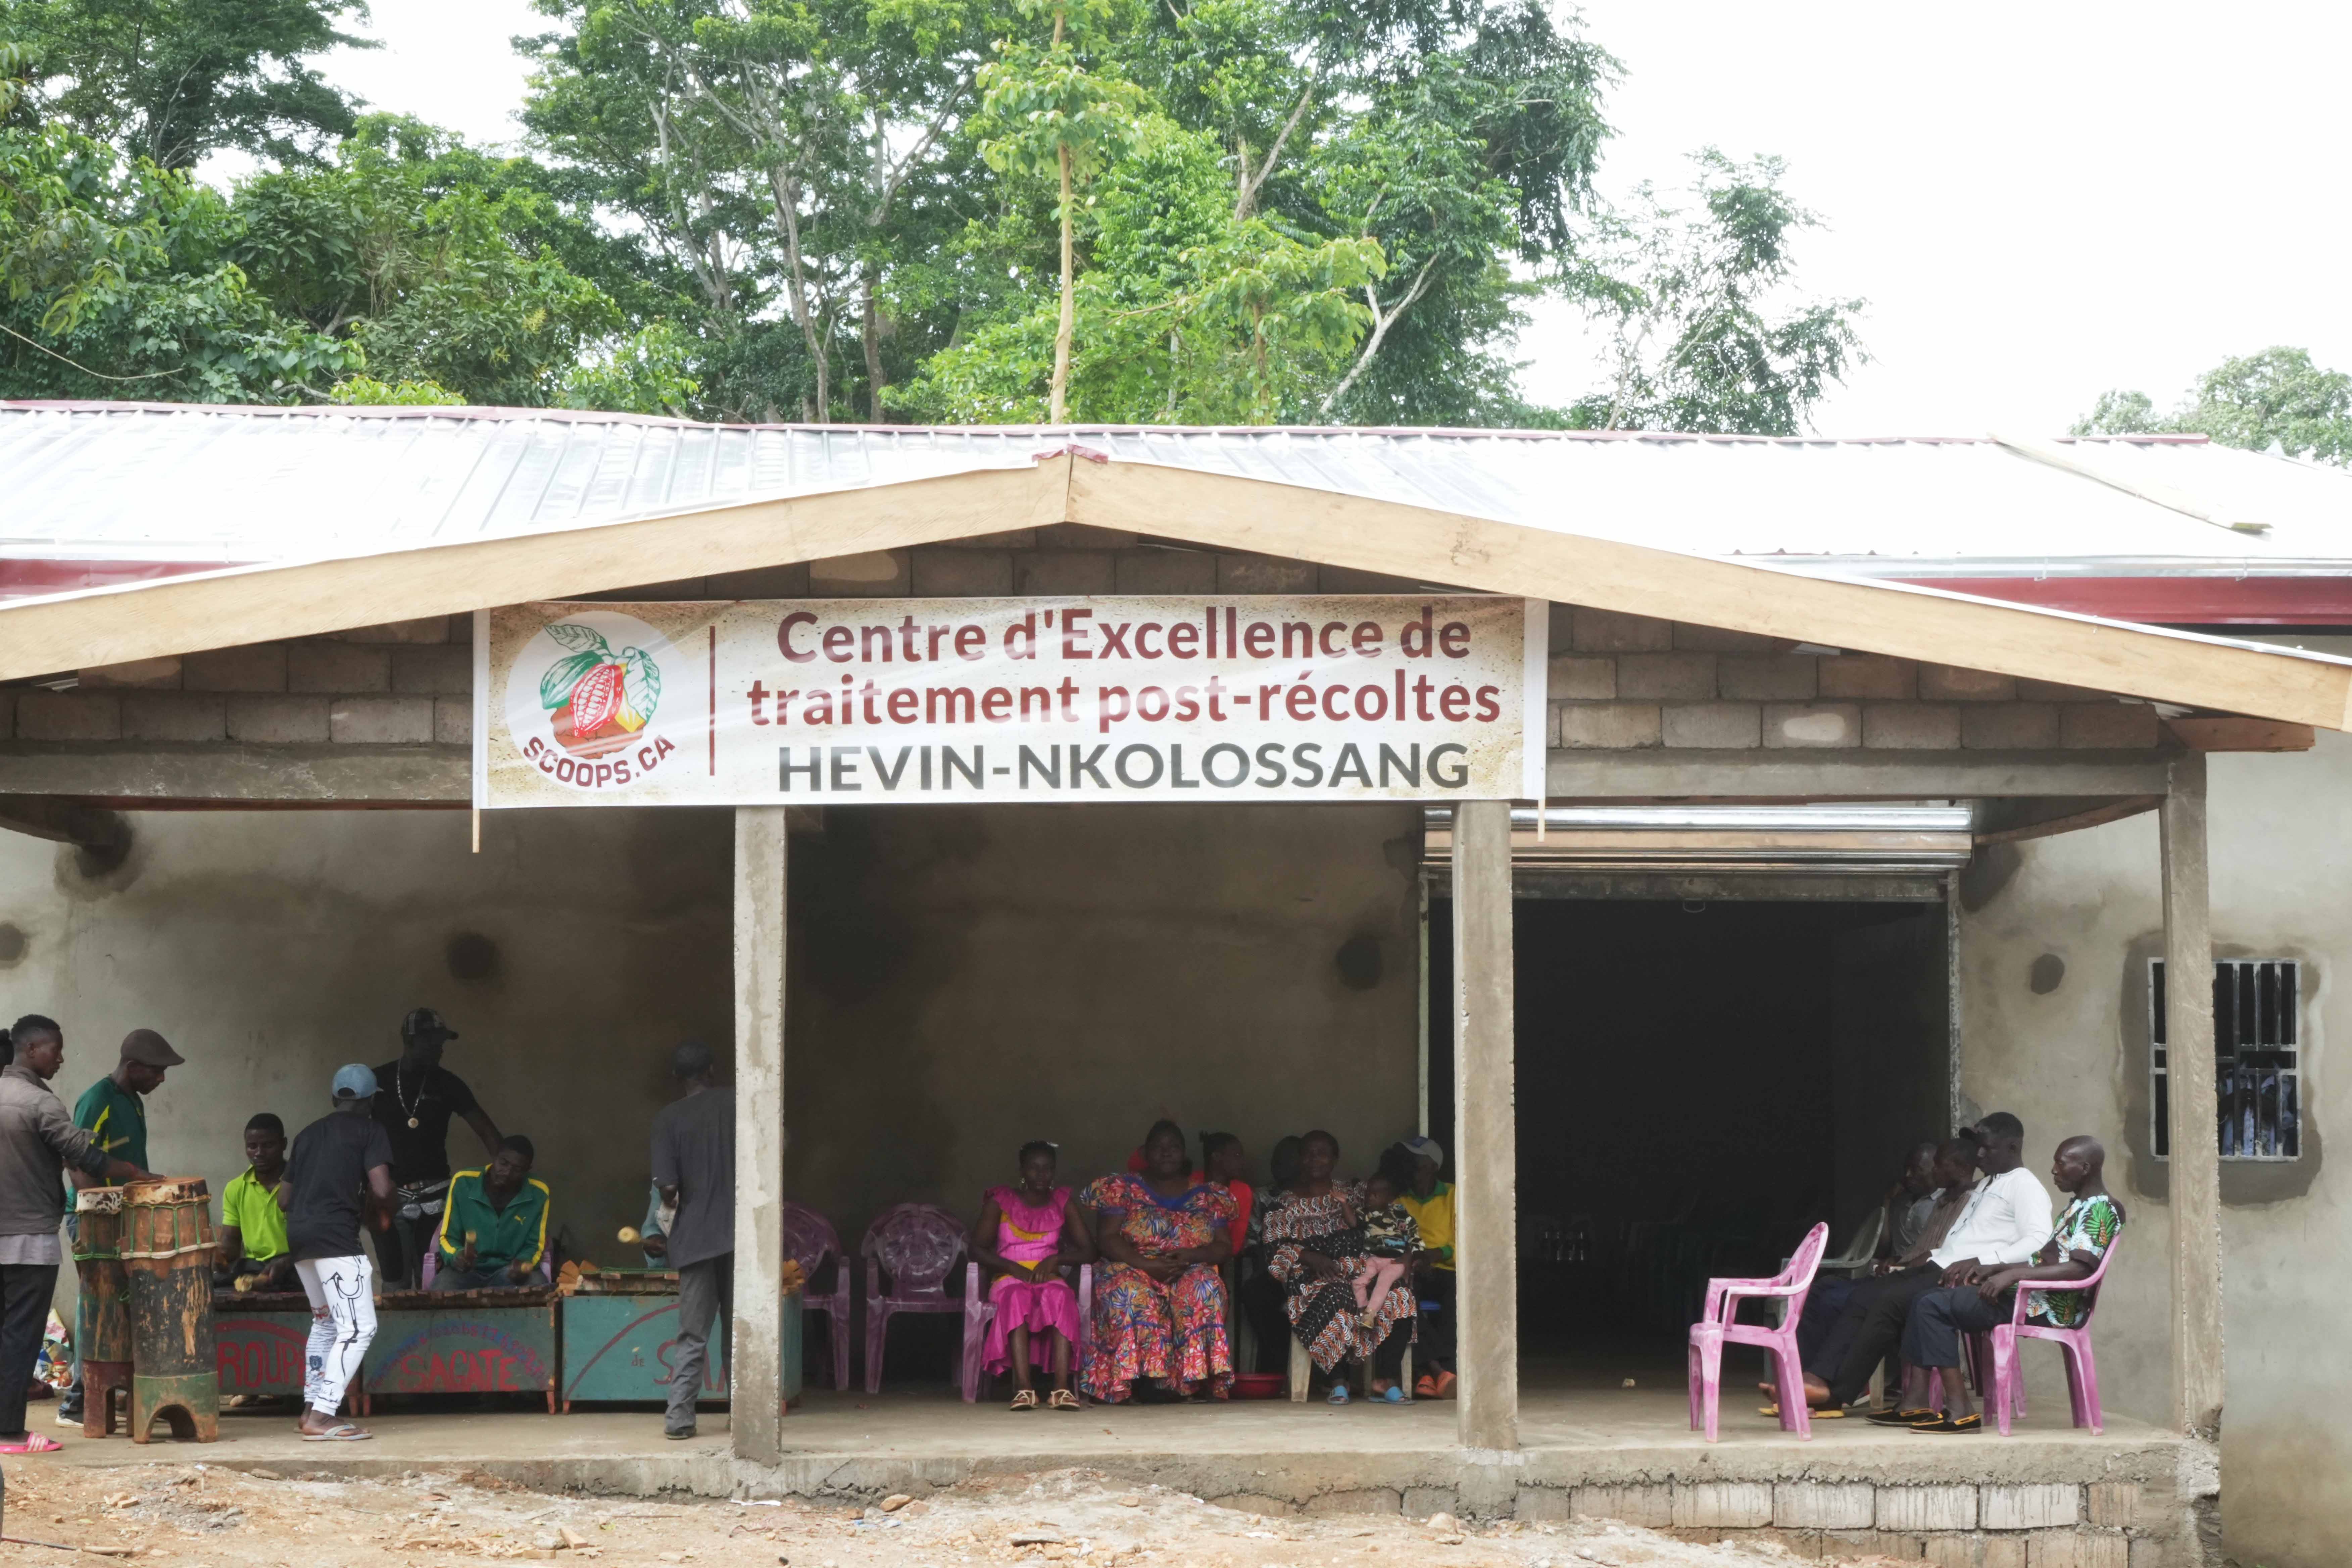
(1623, 682)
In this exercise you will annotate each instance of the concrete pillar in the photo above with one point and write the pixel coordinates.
(756, 1355)
(1485, 1131)
(2195, 1159)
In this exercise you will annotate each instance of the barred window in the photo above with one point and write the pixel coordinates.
(2257, 1058)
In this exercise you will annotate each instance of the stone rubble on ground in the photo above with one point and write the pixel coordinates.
(199, 1517)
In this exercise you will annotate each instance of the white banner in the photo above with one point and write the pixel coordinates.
(869, 702)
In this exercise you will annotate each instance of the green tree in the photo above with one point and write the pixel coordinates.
(439, 277)
(2277, 399)
(118, 279)
(1184, 314)
(1695, 297)
(1045, 113)
(170, 81)
(777, 155)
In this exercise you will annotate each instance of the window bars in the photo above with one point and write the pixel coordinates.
(2257, 1058)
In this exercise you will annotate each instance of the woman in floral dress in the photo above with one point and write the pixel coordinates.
(1315, 1245)
(1160, 1302)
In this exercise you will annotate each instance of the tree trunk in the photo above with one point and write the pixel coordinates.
(1058, 404)
(872, 332)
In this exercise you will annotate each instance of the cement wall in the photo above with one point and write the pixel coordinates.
(2072, 1059)
(963, 980)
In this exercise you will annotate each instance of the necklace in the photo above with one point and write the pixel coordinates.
(400, 1092)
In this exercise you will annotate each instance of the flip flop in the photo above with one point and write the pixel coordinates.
(341, 1432)
(1339, 1395)
(1945, 1424)
(1823, 1412)
(1392, 1395)
(34, 1443)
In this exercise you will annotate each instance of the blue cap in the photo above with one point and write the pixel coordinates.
(354, 1083)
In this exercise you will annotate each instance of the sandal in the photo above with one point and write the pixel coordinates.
(1024, 1399)
(1902, 1417)
(1424, 1387)
(1445, 1385)
(1823, 1412)
(345, 1432)
(1339, 1395)
(1942, 1424)
(34, 1443)
(1061, 1399)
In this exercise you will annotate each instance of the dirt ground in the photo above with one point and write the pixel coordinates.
(200, 1516)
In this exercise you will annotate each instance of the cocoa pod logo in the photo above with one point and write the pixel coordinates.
(596, 699)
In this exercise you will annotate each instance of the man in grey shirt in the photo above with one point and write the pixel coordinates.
(694, 1169)
(37, 1141)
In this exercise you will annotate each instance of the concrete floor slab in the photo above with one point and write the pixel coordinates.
(857, 1446)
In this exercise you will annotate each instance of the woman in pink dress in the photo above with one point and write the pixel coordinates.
(1024, 1237)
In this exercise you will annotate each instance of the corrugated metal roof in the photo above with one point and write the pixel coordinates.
(131, 491)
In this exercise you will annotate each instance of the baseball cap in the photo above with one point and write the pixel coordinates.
(354, 1083)
(149, 1048)
(425, 1021)
(1424, 1149)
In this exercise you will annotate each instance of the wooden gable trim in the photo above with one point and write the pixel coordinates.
(1417, 543)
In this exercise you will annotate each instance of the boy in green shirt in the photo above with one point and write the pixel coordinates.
(494, 1226)
(253, 1227)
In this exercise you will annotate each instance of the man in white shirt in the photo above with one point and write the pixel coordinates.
(2006, 1221)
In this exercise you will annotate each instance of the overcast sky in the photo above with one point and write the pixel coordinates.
(2039, 200)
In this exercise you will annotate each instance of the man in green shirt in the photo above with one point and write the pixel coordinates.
(114, 1111)
(494, 1227)
(114, 1108)
(253, 1227)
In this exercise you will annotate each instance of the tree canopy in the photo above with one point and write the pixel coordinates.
(2277, 400)
(1203, 211)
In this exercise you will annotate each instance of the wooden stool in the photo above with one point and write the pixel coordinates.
(103, 1382)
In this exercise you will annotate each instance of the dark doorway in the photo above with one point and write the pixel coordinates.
(1699, 1083)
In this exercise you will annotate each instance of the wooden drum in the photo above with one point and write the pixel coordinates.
(167, 1253)
(102, 1316)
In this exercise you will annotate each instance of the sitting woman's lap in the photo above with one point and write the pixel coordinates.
(1172, 1329)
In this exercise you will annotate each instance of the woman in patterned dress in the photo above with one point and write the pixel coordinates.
(1160, 1302)
(1316, 1247)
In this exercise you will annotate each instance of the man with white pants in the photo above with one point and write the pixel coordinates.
(339, 1163)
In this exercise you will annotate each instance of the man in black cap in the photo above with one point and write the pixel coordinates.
(113, 1110)
(415, 1097)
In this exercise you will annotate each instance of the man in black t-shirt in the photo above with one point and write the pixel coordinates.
(340, 1173)
(415, 1097)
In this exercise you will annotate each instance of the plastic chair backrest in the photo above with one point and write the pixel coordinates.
(1862, 1244)
(1808, 1258)
(809, 1238)
(917, 1245)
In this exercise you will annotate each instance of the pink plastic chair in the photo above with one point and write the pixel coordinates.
(2082, 1367)
(979, 1311)
(917, 1245)
(1716, 1328)
(809, 1240)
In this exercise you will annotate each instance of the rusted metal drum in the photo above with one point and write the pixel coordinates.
(103, 1318)
(167, 1253)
